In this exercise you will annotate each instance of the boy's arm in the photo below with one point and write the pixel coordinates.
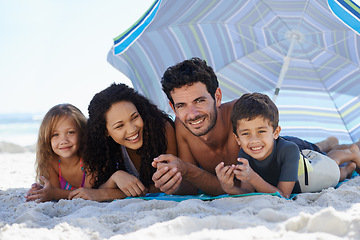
(226, 175)
(246, 174)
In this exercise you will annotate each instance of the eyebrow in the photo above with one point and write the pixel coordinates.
(121, 121)
(199, 98)
(241, 130)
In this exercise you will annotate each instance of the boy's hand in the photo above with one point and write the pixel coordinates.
(225, 175)
(243, 171)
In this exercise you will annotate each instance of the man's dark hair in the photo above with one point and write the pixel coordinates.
(189, 72)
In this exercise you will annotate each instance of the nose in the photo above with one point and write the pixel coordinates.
(131, 128)
(254, 138)
(64, 139)
(193, 111)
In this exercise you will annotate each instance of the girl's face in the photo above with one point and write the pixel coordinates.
(65, 138)
(125, 125)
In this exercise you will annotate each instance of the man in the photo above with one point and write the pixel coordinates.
(203, 131)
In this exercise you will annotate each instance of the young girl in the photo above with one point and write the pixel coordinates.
(125, 132)
(59, 165)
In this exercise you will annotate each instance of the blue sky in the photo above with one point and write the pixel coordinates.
(55, 51)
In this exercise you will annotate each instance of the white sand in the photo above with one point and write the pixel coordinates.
(331, 214)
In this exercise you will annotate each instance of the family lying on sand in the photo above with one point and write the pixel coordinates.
(128, 147)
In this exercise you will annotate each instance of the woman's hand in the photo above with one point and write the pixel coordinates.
(127, 183)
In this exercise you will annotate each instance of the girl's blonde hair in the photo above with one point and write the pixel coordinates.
(44, 152)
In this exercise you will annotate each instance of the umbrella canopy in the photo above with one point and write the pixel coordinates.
(296, 51)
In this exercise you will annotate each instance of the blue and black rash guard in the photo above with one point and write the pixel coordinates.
(281, 165)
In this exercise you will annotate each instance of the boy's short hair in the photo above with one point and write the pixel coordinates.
(252, 105)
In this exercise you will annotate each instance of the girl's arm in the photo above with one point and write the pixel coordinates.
(100, 195)
(107, 191)
(51, 189)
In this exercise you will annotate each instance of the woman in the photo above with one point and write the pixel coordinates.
(125, 132)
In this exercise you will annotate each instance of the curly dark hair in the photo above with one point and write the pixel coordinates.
(252, 105)
(102, 155)
(189, 72)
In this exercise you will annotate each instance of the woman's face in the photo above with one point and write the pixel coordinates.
(125, 125)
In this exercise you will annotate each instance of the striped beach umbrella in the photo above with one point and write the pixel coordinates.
(298, 52)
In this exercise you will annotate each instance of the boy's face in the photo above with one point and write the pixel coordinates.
(256, 137)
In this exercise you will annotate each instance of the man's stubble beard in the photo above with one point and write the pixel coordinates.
(213, 119)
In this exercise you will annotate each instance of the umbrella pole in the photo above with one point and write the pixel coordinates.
(285, 66)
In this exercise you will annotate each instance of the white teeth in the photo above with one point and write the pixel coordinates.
(197, 121)
(257, 148)
(134, 137)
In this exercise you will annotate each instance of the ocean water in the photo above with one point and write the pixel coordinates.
(20, 128)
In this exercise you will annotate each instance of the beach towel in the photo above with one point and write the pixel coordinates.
(205, 197)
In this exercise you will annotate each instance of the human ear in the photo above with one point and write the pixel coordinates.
(172, 107)
(277, 132)
(237, 139)
(218, 97)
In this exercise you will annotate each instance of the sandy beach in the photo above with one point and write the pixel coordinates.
(331, 214)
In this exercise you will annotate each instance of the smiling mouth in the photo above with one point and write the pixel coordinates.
(198, 121)
(256, 148)
(65, 148)
(134, 137)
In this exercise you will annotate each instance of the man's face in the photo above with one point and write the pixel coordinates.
(195, 108)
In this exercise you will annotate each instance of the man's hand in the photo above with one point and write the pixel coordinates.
(168, 175)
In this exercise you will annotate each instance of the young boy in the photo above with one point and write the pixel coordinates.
(269, 163)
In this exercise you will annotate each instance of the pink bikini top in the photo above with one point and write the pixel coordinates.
(64, 184)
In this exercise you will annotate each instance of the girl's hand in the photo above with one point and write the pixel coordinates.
(39, 193)
(84, 193)
(128, 183)
(243, 171)
(34, 187)
(225, 175)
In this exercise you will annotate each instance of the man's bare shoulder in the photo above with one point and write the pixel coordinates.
(228, 106)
